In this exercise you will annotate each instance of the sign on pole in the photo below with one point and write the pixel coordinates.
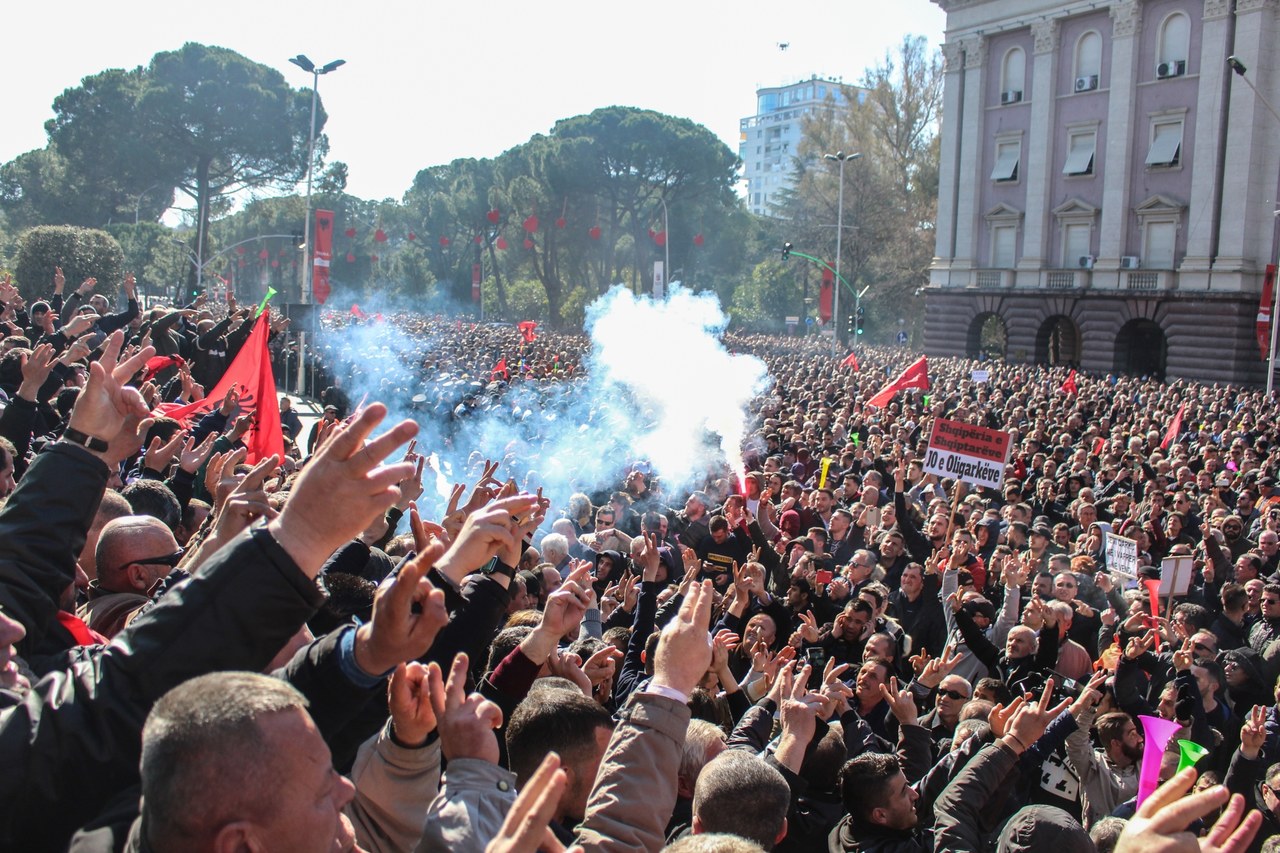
(1121, 556)
(659, 280)
(965, 452)
(1175, 575)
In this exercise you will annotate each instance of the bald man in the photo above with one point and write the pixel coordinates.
(133, 553)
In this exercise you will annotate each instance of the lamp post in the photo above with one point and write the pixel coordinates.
(200, 265)
(1238, 67)
(841, 158)
(666, 249)
(310, 67)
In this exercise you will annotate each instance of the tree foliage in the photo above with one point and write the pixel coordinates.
(81, 252)
(890, 193)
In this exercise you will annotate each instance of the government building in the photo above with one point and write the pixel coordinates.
(1108, 185)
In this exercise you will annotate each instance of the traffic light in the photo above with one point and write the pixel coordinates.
(786, 251)
(859, 315)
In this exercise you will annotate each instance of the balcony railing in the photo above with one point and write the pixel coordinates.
(992, 278)
(1066, 279)
(1145, 280)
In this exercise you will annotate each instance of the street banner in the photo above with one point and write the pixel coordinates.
(475, 282)
(1121, 555)
(1263, 323)
(659, 280)
(323, 253)
(974, 454)
(825, 296)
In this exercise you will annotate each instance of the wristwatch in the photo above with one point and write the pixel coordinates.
(75, 436)
(497, 567)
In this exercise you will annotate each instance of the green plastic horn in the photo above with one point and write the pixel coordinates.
(1190, 753)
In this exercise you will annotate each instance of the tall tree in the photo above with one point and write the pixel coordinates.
(207, 119)
(890, 193)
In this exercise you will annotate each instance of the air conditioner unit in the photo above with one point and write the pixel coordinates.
(1012, 96)
(1176, 68)
(1085, 262)
(1130, 262)
(1087, 84)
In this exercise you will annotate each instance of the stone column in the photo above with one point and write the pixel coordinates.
(953, 119)
(968, 217)
(1193, 274)
(1038, 155)
(1122, 125)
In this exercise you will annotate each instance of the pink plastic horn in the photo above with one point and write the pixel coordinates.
(1158, 732)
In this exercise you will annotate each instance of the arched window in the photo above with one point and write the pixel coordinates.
(1013, 76)
(1174, 46)
(1089, 55)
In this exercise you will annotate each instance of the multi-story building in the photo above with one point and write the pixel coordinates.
(1108, 186)
(767, 141)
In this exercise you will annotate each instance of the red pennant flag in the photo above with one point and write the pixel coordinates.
(526, 328)
(155, 364)
(1174, 428)
(851, 361)
(500, 368)
(825, 297)
(1264, 311)
(1069, 387)
(251, 371)
(915, 376)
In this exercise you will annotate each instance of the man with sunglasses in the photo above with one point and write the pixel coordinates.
(1267, 628)
(133, 554)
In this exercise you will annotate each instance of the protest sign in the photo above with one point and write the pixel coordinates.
(965, 452)
(980, 376)
(1121, 555)
(1175, 575)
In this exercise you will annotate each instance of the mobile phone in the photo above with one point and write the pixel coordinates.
(824, 576)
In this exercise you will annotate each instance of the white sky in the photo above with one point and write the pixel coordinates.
(429, 82)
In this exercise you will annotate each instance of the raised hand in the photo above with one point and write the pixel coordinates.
(107, 408)
(649, 558)
(409, 700)
(527, 826)
(347, 472)
(493, 531)
(567, 665)
(939, 668)
(1160, 824)
(408, 612)
(466, 723)
(808, 628)
(160, 454)
(246, 499)
(193, 455)
(1254, 733)
(485, 490)
(1029, 723)
(35, 371)
(684, 649)
(901, 703)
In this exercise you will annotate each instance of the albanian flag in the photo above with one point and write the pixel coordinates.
(915, 376)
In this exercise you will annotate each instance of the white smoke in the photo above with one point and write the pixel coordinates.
(657, 386)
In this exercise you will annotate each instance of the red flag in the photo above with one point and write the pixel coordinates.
(1264, 311)
(824, 297)
(500, 367)
(851, 360)
(251, 371)
(1069, 387)
(157, 363)
(1174, 428)
(321, 256)
(357, 313)
(526, 328)
(915, 376)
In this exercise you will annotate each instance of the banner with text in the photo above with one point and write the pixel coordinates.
(321, 257)
(1121, 555)
(965, 452)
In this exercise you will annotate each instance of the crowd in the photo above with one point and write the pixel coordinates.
(834, 651)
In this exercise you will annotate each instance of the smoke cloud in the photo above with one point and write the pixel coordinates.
(657, 386)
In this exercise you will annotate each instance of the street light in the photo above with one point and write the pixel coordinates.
(1238, 67)
(841, 158)
(310, 67)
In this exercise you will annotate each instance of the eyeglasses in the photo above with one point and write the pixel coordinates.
(1202, 647)
(170, 560)
(1272, 601)
(952, 694)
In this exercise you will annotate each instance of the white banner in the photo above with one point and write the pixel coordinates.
(1122, 555)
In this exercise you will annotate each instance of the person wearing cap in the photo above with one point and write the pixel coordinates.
(326, 420)
(689, 525)
(1040, 548)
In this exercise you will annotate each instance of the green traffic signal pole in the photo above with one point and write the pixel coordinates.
(826, 266)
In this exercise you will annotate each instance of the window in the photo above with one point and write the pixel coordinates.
(1175, 35)
(1004, 240)
(1166, 143)
(1007, 155)
(1013, 76)
(1082, 145)
(1157, 251)
(1089, 56)
(1075, 244)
